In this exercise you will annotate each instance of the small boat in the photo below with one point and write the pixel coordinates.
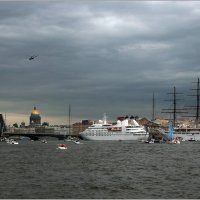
(14, 142)
(181, 139)
(61, 146)
(67, 140)
(77, 142)
(173, 140)
(152, 141)
(11, 141)
(43, 141)
(176, 141)
(192, 140)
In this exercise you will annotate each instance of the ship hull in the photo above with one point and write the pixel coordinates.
(189, 136)
(187, 133)
(116, 136)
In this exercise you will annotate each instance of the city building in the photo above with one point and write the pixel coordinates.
(79, 127)
(35, 118)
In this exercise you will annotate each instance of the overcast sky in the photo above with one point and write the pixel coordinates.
(99, 56)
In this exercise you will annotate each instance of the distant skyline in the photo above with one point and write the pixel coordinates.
(98, 56)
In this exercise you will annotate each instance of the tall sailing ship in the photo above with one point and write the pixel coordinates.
(190, 132)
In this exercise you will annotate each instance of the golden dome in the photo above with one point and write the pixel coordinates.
(35, 111)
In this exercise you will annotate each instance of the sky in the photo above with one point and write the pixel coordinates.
(98, 56)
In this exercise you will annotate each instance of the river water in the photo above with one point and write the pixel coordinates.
(95, 169)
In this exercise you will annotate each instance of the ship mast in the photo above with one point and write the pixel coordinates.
(153, 117)
(197, 117)
(197, 109)
(69, 119)
(5, 118)
(197, 104)
(174, 110)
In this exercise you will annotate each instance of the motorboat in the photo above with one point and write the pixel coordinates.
(61, 146)
(192, 140)
(77, 142)
(11, 141)
(176, 141)
(152, 141)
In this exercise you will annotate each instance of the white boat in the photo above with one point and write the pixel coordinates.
(187, 133)
(11, 141)
(152, 141)
(126, 129)
(61, 146)
(43, 141)
(77, 142)
(14, 142)
(192, 140)
(68, 140)
(176, 141)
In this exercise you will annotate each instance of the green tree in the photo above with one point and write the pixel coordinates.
(15, 125)
(45, 124)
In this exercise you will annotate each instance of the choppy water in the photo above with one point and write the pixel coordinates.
(95, 169)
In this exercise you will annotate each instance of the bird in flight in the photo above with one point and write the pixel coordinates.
(32, 57)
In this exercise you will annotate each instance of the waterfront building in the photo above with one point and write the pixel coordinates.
(79, 127)
(35, 118)
(2, 125)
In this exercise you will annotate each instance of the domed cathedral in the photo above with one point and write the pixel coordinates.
(35, 119)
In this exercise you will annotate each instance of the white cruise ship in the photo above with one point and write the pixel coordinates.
(127, 129)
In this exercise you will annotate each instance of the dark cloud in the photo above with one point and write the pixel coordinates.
(101, 56)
